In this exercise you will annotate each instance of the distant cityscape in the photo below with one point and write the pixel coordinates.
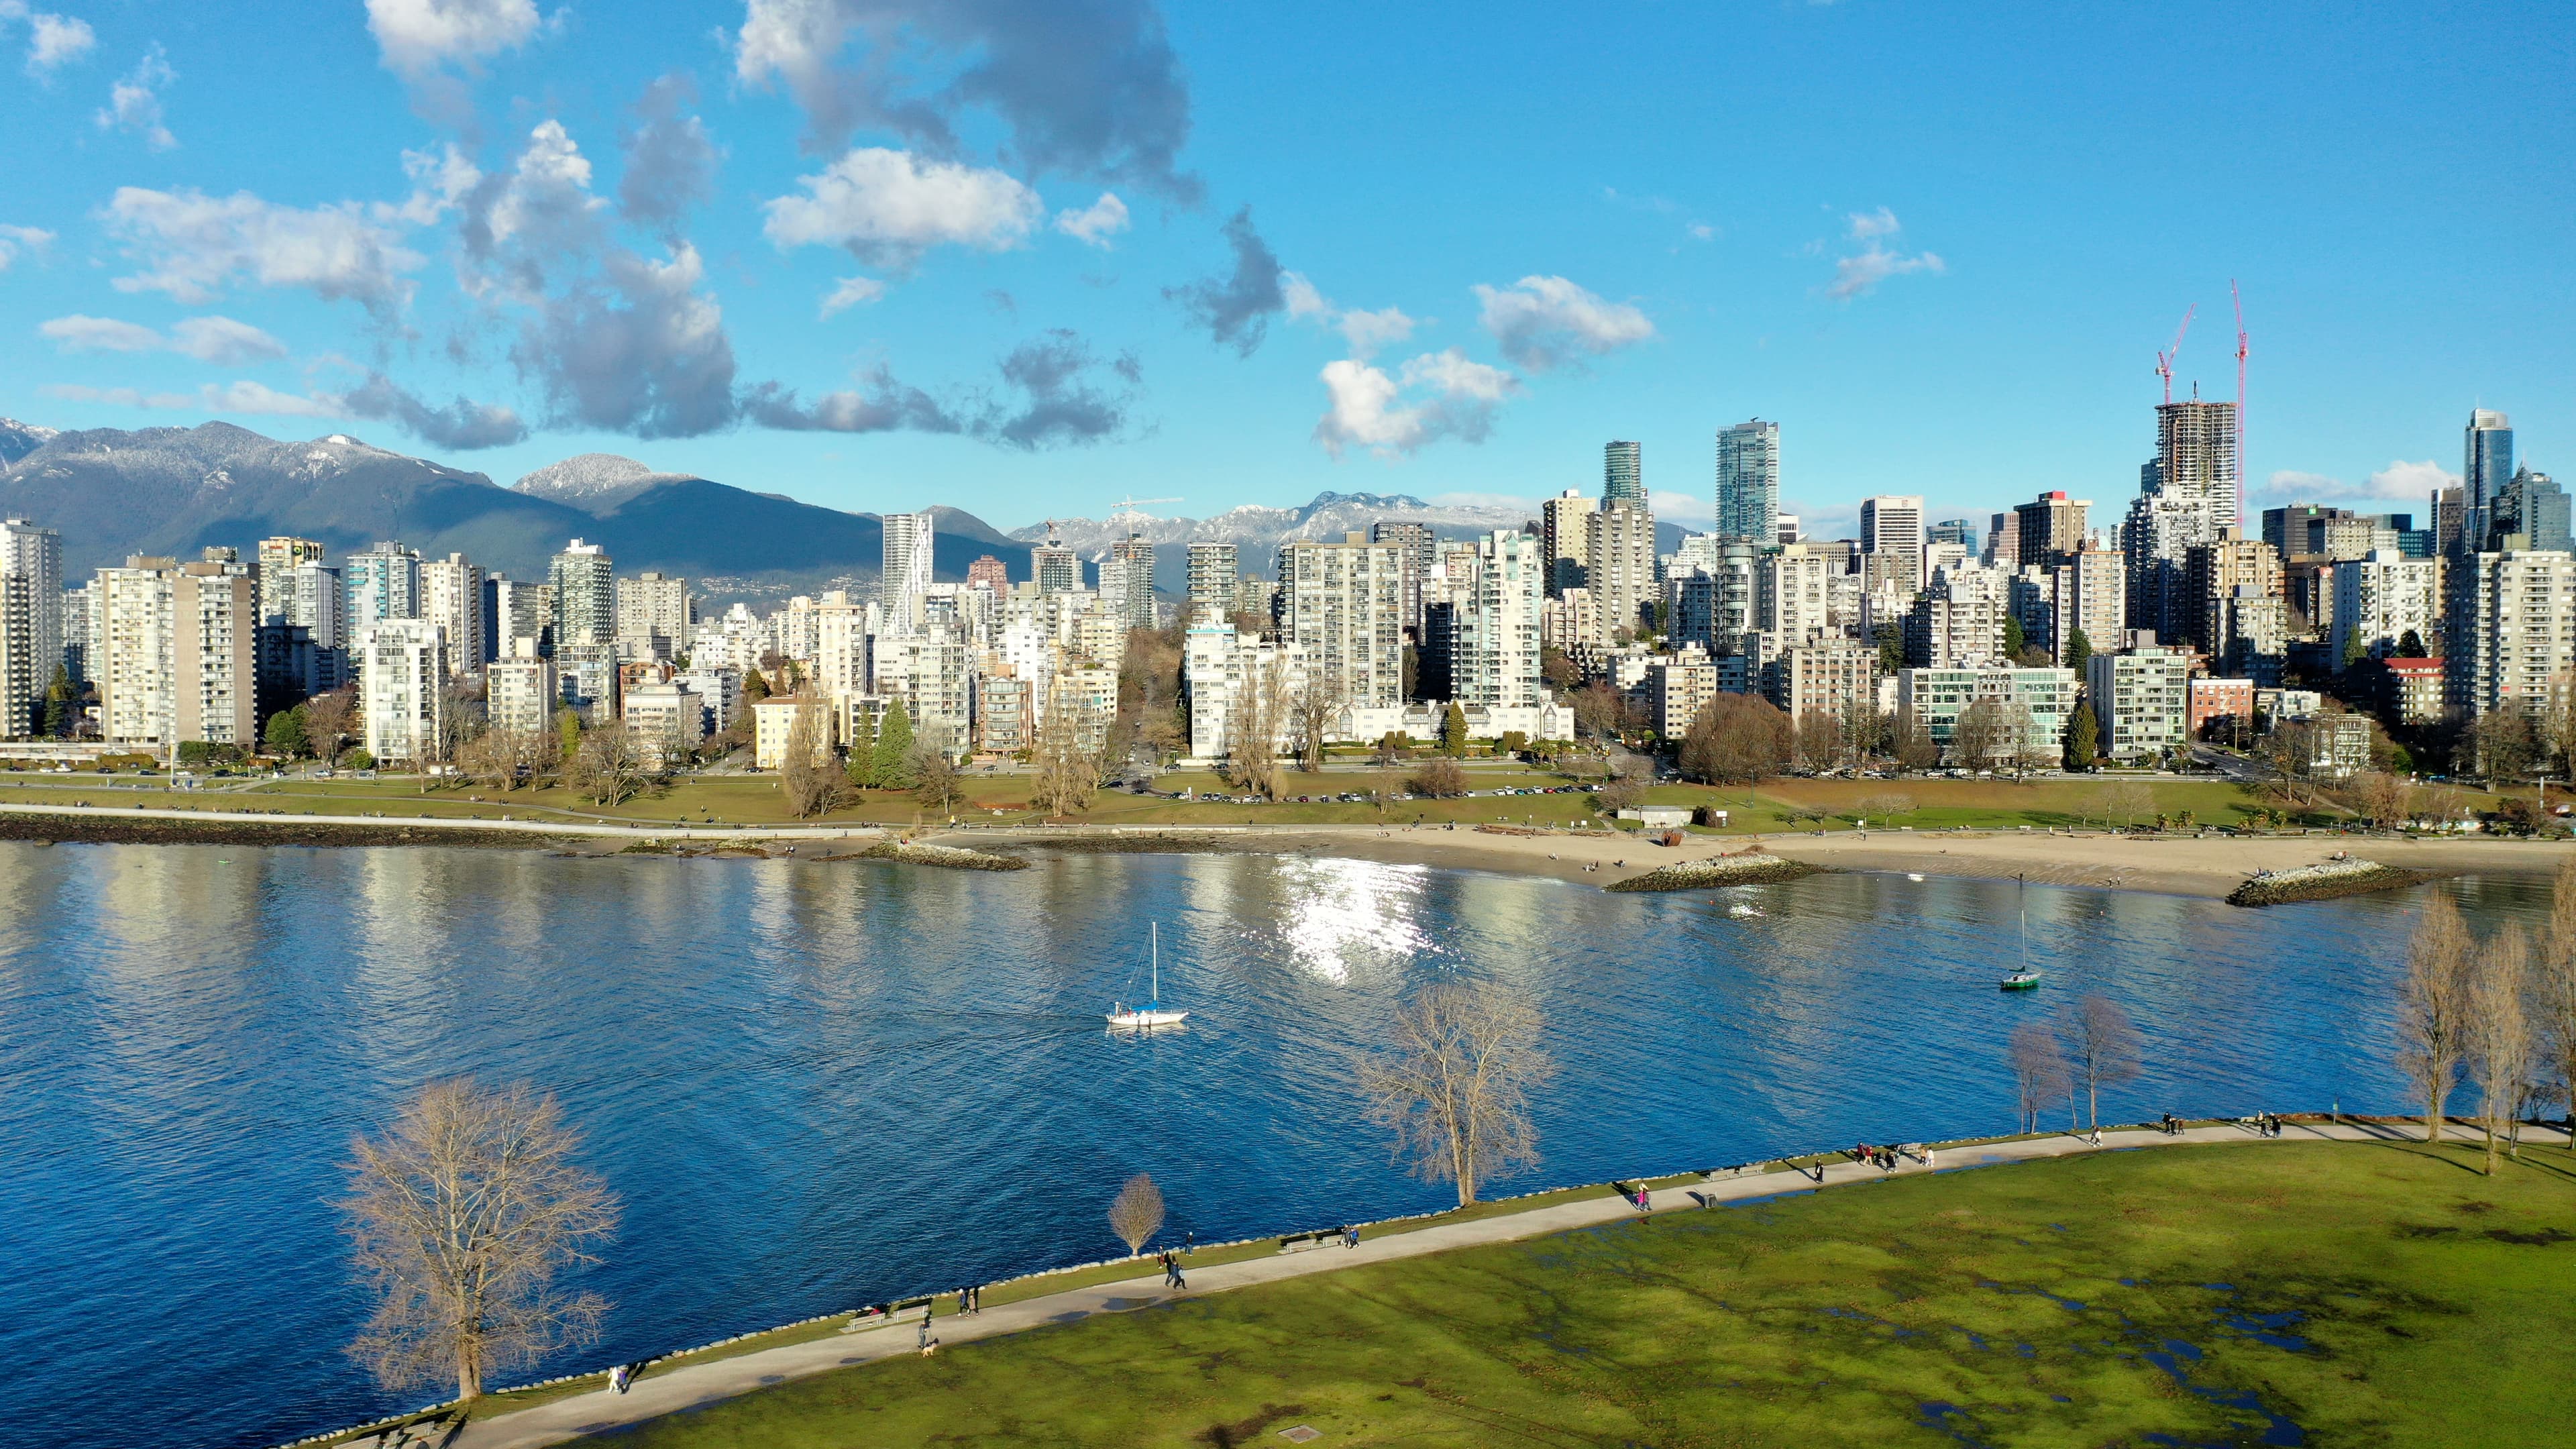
(2169, 626)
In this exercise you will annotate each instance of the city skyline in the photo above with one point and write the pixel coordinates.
(166, 263)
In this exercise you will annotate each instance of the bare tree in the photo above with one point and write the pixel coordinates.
(2554, 986)
(937, 782)
(1453, 1084)
(1736, 739)
(329, 720)
(1310, 714)
(813, 787)
(2039, 1070)
(2432, 1009)
(2500, 1047)
(2384, 800)
(1817, 740)
(1981, 735)
(1252, 731)
(613, 766)
(1441, 779)
(1067, 774)
(2127, 801)
(461, 1216)
(1136, 1213)
(2101, 1046)
(1884, 807)
(1864, 730)
(1910, 743)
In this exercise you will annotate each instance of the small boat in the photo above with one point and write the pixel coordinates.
(1745, 911)
(2022, 980)
(1150, 1014)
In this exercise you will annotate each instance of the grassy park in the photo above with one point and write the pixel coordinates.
(1003, 798)
(2378, 1294)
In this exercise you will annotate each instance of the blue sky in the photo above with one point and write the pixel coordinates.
(1436, 250)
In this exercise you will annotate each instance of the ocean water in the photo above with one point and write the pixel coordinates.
(817, 1085)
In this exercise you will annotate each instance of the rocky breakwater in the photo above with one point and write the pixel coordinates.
(2322, 881)
(946, 857)
(1723, 870)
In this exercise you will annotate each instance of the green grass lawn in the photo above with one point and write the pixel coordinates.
(2368, 1294)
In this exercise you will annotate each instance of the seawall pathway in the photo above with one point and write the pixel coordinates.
(704, 1383)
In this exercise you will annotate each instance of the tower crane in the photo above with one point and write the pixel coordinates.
(2241, 350)
(2165, 359)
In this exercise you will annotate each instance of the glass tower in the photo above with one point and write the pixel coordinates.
(1748, 481)
(1623, 474)
(2486, 470)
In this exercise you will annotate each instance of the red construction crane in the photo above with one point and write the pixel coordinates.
(2240, 399)
(2165, 359)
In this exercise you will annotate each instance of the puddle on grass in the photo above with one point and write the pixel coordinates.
(1940, 1415)
(2261, 1327)
(2276, 1430)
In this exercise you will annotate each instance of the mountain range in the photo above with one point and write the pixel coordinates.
(112, 494)
(173, 491)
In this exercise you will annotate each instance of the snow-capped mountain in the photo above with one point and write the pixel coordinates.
(18, 439)
(1259, 531)
(594, 482)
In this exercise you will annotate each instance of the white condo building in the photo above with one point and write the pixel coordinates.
(905, 565)
(31, 622)
(2380, 599)
(402, 687)
(451, 592)
(2512, 631)
(1480, 636)
(1342, 606)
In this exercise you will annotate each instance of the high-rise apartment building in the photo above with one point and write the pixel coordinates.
(2184, 498)
(451, 596)
(2530, 514)
(1748, 480)
(1341, 607)
(2486, 469)
(1623, 473)
(1057, 568)
(2512, 631)
(137, 684)
(1565, 545)
(1487, 646)
(214, 616)
(1213, 575)
(2381, 599)
(402, 690)
(31, 622)
(1421, 555)
(1127, 581)
(80, 631)
(521, 610)
(2092, 594)
(584, 579)
(519, 692)
(905, 566)
(1619, 565)
(382, 583)
(2212, 573)
(2003, 538)
(2048, 528)
(1959, 620)
(656, 606)
(2139, 699)
(990, 573)
(1891, 530)
(279, 558)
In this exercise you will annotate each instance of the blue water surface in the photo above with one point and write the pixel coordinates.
(820, 1084)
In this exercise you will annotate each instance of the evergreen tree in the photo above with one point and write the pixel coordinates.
(862, 766)
(568, 731)
(1891, 649)
(59, 697)
(2355, 648)
(2015, 638)
(893, 750)
(2411, 646)
(2083, 737)
(2078, 650)
(285, 732)
(755, 685)
(1453, 730)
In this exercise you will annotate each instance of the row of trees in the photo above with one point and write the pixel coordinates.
(2088, 1047)
(2498, 1013)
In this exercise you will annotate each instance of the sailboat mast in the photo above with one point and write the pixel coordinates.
(1154, 951)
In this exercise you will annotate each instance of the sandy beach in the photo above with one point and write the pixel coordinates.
(2192, 865)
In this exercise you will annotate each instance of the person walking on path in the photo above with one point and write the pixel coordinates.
(1350, 1235)
(926, 1311)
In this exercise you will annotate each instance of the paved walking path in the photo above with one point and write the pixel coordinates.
(705, 1383)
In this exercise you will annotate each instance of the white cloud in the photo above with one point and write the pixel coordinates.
(852, 292)
(219, 340)
(134, 103)
(230, 397)
(890, 207)
(548, 188)
(1693, 506)
(1095, 224)
(16, 239)
(77, 333)
(1547, 322)
(440, 180)
(1436, 395)
(415, 37)
(1367, 332)
(223, 341)
(2401, 479)
(1701, 231)
(2399, 482)
(1859, 274)
(53, 41)
(192, 246)
(1869, 225)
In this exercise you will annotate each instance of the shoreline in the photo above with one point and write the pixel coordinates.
(1100, 1289)
(2206, 866)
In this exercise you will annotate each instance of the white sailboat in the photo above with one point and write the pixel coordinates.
(1152, 1012)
